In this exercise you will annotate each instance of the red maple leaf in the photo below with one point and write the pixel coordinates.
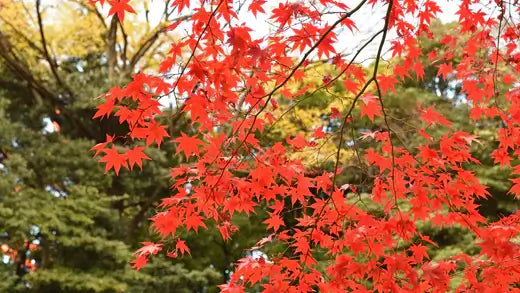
(371, 107)
(418, 68)
(256, 6)
(326, 46)
(135, 156)
(501, 156)
(182, 247)
(419, 252)
(149, 248)
(387, 82)
(274, 222)
(188, 145)
(181, 4)
(100, 146)
(318, 132)
(444, 70)
(430, 116)
(155, 133)
(105, 109)
(193, 222)
(299, 142)
(231, 288)
(282, 14)
(351, 85)
(335, 113)
(139, 262)
(114, 159)
(119, 7)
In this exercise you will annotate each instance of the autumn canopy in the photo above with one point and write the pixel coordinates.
(238, 68)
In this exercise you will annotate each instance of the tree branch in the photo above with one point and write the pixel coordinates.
(148, 43)
(50, 60)
(17, 31)
(111, 48)
(125, 45)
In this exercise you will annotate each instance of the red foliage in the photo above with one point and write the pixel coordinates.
(232, 79)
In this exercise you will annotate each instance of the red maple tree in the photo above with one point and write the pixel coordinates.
(229, 82)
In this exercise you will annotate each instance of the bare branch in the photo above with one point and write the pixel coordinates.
(111, 37)
(52, 62)
(148, 43)
(125, 45)
(23, 36)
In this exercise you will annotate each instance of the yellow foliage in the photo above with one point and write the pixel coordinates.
(307, 112)
(74, 28)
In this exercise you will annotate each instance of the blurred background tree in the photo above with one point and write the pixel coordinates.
(65, 227)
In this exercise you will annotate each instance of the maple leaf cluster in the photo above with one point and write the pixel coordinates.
(117, 7)
(231, 80)
(135, 106)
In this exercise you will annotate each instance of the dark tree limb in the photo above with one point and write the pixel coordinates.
(111, 39)
(52, 62)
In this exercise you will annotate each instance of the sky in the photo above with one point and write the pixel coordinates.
(367, 20)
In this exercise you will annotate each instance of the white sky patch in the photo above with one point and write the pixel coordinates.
(368, 20)
(48, 126)
(6, 259)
